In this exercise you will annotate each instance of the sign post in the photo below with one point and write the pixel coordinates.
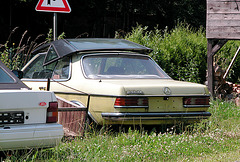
(55, 6)
(54, 26)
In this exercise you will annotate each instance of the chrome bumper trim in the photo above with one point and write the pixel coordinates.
(128, 107)
(195, 106)
(156, 116)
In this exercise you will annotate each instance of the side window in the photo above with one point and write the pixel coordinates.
(51, 55)
(62, 69)
(36, 70)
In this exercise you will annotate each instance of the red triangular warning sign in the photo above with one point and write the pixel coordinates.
(53, 6)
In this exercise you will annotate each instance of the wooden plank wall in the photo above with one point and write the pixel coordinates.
(72, 120)
(223, 19)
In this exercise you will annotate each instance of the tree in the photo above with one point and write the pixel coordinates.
(101, 18)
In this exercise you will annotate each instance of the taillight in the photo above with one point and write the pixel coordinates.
(52, 112)
(131, 102)
(196, 101)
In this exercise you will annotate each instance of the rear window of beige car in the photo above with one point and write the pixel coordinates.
(121, 66)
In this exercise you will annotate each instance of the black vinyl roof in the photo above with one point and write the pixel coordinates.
(63, 47)
(15, 83)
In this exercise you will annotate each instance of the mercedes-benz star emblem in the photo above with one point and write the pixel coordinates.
(167, 91)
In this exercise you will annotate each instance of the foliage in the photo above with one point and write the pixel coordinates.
(50, 36)
(101, 18)
(215, 137)
(15, 57)
(8, 58)
(181, 52)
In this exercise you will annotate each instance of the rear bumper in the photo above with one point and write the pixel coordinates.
(156, 116)
(21, 136)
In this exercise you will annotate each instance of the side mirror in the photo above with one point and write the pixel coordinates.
(18, 73)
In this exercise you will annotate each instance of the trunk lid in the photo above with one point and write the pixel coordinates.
(163, 95)
(24, 106)
(158, 87)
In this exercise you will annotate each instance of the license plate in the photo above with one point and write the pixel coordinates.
(12, 117)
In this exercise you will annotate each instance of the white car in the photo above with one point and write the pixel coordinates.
(28, 119)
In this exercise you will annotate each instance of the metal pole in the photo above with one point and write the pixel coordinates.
(55, 26)
(48, 84)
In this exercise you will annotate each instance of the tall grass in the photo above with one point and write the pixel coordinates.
(211, 139)
(15, 55)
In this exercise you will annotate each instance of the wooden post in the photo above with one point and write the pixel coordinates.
(210, 76)
(213, 46)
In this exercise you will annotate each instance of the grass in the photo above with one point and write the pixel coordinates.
(218, 139)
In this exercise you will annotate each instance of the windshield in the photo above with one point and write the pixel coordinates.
(121, 66)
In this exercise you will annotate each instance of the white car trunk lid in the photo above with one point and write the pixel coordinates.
(24, 106)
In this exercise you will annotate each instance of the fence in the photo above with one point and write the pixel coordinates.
(72, 117)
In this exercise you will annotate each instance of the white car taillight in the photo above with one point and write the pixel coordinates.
(196, 101)
(131, 102)
(52, 112)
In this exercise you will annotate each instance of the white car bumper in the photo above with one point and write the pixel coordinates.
(30, 136)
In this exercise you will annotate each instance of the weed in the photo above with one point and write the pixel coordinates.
(16, 56)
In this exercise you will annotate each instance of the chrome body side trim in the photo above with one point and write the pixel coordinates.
(106, 95)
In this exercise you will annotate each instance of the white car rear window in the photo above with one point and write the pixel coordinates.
(4, 77)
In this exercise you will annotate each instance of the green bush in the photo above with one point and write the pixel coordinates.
(182, 51)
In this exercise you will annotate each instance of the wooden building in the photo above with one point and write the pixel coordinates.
(223, 24)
